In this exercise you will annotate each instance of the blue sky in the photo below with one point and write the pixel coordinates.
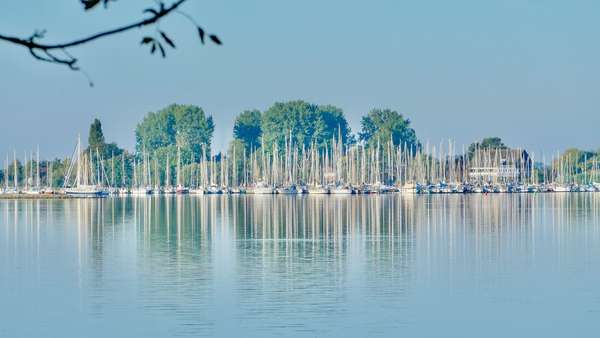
(527, 71)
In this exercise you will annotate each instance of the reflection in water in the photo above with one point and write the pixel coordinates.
(267, 265)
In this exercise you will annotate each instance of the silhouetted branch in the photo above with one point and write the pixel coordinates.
(47, 52)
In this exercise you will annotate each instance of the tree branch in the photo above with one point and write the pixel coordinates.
(58, 53)
(156, 15)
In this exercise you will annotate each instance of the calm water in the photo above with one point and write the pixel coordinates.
(308, 266)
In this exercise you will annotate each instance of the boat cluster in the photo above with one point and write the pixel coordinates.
(335, 168)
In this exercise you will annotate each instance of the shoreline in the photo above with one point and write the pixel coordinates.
(13, 196)
(33, 197)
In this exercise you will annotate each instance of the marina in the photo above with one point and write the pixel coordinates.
(335, 169)
(301, 169)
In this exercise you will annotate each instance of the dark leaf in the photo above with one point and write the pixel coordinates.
(167, 40)
(215, 39)
(146, 40)
(201, 34)
(153, 49)
(150, 10)
(162, 50)
(89, 4)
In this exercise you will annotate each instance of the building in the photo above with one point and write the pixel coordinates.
(500, 165)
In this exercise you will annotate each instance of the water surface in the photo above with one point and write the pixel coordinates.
(308, 266)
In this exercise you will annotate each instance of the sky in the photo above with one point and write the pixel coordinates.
(526, 71)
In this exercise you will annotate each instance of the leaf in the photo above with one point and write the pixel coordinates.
(201, 34)
(89, 4)
(167, 40)
(150, 10)
(215, 39)
(162, 50)
(153, 49)
(146, 40)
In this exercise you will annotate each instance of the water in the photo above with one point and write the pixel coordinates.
(307, 266)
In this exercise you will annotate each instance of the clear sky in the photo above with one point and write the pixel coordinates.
(527, 71)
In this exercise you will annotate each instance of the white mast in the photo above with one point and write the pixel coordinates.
(168, 174)
(178, 166)
(16, 174)
(112, 169)
(78, 160)
(49, 175)
(37, 167)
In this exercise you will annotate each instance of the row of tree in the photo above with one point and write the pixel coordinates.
(306, 124)
(182, 134)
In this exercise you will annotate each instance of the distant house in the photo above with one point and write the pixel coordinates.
(500, 165)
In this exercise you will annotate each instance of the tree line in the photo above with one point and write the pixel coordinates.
(184, 134)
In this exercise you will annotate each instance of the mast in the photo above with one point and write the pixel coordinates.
(16, 174)
(6, 172)
(156, 175)
(26, 171)
(49, 175)
(112, 169)
(178, 165)
(168, 174)
(99, 179)
(78, 160)
(135, 180)
(37, 167)
(123, 169)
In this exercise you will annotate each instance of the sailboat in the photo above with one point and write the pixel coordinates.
(181, 189)
(317, 189)
(261, 187)
(48, 189)
(33, 187)
(141, 185)
(82, 187)
(169, 189)
(123, 190)
(158, 190)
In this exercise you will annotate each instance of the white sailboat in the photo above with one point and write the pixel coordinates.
(82, 187)
(181, 189)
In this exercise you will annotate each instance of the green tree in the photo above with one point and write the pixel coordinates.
(486, 143)
(96, 136)
(247, 129)
(305, 122)
(383, 125)
(97, 143)
(183, 125)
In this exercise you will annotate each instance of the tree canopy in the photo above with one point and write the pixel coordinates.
(306, 123)
(97, 142)
(486, 143)
(96, 135)
(383, 125)
(247, 129)
(186, 126)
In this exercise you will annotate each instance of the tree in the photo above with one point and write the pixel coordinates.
(97, 143)
(60, 53)
(96, 136)
(486, 143)
(383, 125)
(306, 123)
(247, 129)
(185, 126)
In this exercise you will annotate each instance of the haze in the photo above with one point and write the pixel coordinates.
(526, 71)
